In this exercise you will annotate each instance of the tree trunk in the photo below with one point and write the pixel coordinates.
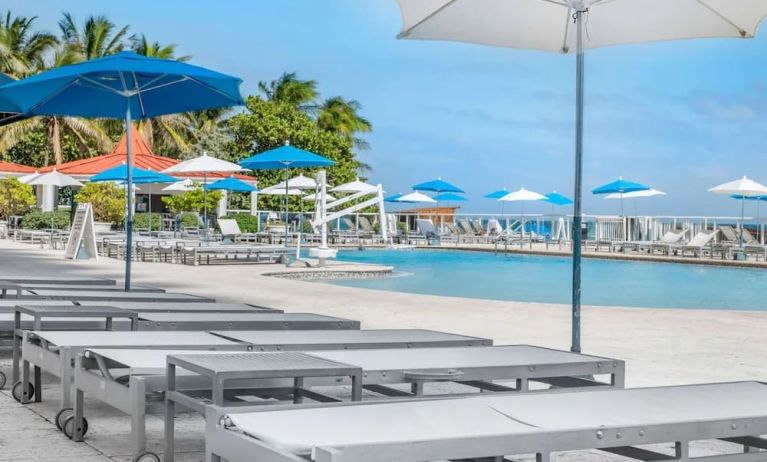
(56, 141)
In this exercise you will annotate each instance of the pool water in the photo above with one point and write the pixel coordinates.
(532, 278)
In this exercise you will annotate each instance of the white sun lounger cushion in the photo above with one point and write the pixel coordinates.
(301, 431)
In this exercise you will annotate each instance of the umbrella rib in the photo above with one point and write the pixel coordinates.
(98, 84)
(138, 95)
(431, 15)
(214, 89)
(740, 30)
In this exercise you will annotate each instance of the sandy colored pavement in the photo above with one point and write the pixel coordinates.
(660, 346)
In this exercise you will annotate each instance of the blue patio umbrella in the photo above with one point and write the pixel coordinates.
(620, 186)
(496, 194)
(285, 157)
(138, 176)
(758, 200)
(555, 198)
(449, 197)
(125, 86)
(393, 197)
(231, 184)
(438, 186)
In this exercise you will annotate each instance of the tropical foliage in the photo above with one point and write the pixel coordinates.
(15, 197)
(46, 220)
(107, 201)
(192, 201)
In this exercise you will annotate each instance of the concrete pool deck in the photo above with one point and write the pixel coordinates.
(660, 346)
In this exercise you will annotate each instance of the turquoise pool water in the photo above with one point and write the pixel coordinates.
(547, 279)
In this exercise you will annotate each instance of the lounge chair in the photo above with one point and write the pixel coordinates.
(698, 245)
(427, 229)
(672, 237)
(622, 422)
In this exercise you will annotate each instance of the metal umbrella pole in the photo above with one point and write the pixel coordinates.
(286, 216)
(205, 205)
(129, 200)
(577, 218)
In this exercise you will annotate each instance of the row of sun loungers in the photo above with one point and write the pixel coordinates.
(295, 387)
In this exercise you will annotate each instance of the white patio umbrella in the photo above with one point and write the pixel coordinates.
(415, 198)
(523, 195)
(204, 164)
(180, 186)
(635, 195)
(352, 187)
(29, 177)
(298, 182)
(274, 191)
(547, 25)
(55, 179)
(742, 188)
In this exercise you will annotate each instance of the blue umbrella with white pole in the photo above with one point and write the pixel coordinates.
(621, 187)
(124, 86)
(285, 157)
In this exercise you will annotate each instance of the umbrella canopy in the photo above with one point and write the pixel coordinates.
(749, 198)
(634, 194)
(742, 187)
(393, 197)
(54, 178)
(313, 196)
(546, 25)
(231, 184)
(298, 182)
(140, 175)
(103, 87)
(204, 164)
(27, 178)
(272, 191)
(414, 198)
(522, 194)
(285, 157)
(439, 186)
(355, 186)
(557, 199)
(620, 186)
(496, 194)
(449, 197)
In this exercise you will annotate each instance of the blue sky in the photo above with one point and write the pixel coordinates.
(681, 116)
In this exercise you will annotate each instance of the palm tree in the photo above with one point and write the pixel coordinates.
(342, 117)
(289, 89)
(141, 45)
(98, 37)
(21, 50)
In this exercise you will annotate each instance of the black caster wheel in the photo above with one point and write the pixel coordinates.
(147, 457)
(18, 390)
(3, 380)
(62, 416)
(69, 426)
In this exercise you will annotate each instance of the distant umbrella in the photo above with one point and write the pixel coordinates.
(633, 195)
(393, 197)
(449, 197)
(298, 182)
(353, 187)
(496, 194)
(231, 184)
(56, 179)
(557, 199)
(620, 187)
(523, 195)
(414, 198)
(741, 188)
(26, 179)
(438, 186)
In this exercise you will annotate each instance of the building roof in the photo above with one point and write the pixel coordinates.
(143, 157)
(10, 167)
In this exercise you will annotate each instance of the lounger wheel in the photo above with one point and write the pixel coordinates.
(69, 426)
(3, 380)
(147, 457)
(62, 416)
(18, 390)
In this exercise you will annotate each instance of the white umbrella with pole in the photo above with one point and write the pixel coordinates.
(560, 26)
(204, 164)
(57, 180)
(299, 183)
(741, 188)
(523, 195)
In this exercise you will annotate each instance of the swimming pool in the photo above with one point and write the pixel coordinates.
(533, 278)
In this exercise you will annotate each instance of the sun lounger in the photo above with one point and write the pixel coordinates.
(241, 321)
(182, 307)
(256, 253)
(698, 244)
(350, 339)
(72, 287)
(493, 427)
(108, 296)
(58, 280)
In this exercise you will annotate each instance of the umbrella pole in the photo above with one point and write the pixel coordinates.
(577, 219)
(286, 216)
(149, 209)
(129, 200)
(205, 205)
(742, 219)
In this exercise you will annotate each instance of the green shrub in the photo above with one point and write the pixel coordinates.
(247, 222)
(15, 197)
(192, 201)
(189, 220)
(43, 220)
(141, 221)
(107, 200)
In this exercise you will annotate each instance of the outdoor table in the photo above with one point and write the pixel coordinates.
(40, 312)
(5, 286)
(222, 368)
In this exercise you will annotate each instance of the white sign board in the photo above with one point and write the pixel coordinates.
(82, 237)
